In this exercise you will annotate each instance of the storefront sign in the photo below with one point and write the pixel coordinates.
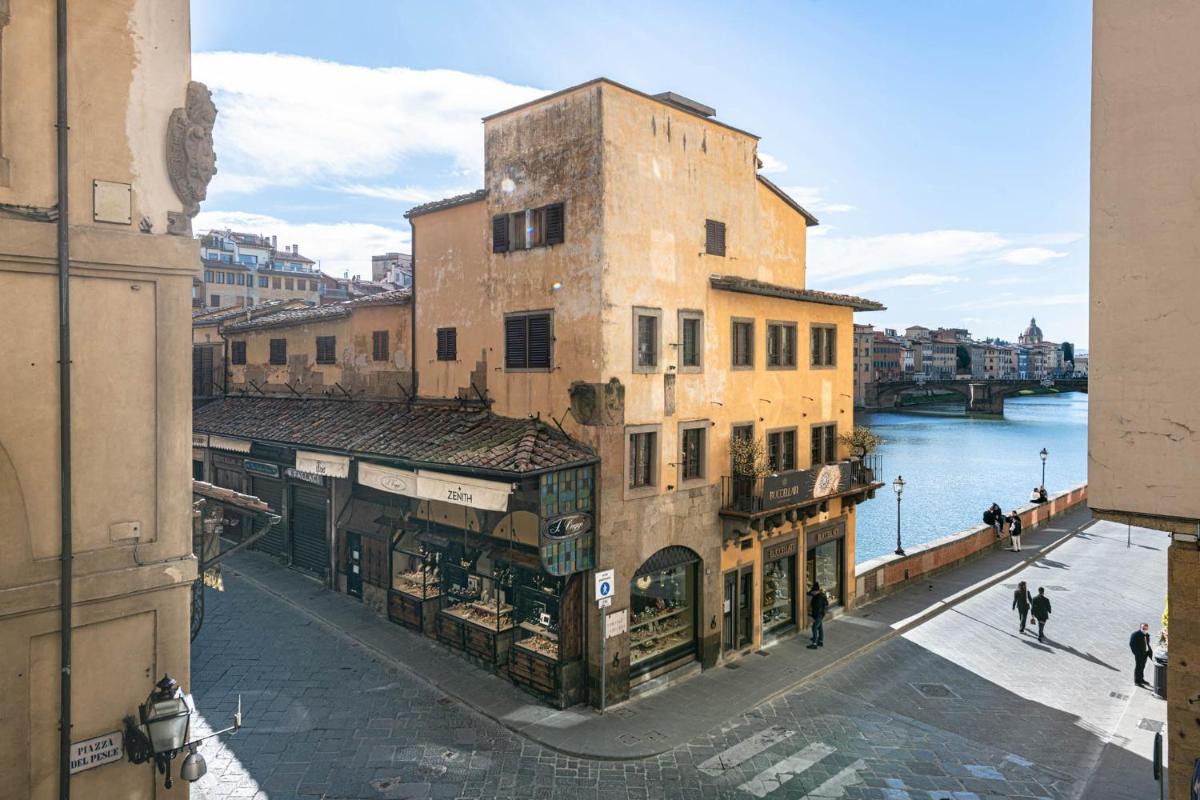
(262, 468)
(830, 533)
(567, 526)
(786, 488)
(781, 550)
(472, 492)
(323, 464)
(828, 480)
(307, 477)
(387, 479)
(616, 624)
(99, 750)
(226, 462)
(199, 440)
(226, 443)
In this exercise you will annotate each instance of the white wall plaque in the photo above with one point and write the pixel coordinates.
(96, 751)
(617, 623)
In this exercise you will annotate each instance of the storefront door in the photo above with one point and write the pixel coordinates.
(309, 542)
(730, 629)
(270, 491)
(746, 608)
(354, 565)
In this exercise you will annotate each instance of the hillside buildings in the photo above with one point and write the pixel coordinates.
(1144, 421)
(617, 371)
(247, 269)
(94, 495)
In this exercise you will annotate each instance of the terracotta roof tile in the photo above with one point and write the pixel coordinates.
(733, 283)
(419, 434)
(300, 316)
(449, 202)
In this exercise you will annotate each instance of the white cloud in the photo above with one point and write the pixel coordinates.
(1030, 256)
(338, 246)
(841, 257)
(813, 198)
(288, 120)
(1012, 280)
(401, 194)
(1073, 298)
(915, 279)
(770, 164)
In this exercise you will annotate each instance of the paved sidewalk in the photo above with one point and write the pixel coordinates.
(659, 722)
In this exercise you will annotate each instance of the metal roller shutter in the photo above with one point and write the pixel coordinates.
(271, 493)
(310, 546)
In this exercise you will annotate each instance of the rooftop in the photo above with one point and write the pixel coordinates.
(300, 316)
(733, 283)
(809, 219)
(449, 202)
(218, 315)
(434, 435)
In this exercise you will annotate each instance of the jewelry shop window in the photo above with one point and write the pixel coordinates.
(662, 624)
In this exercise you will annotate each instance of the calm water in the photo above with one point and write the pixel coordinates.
(955, 467)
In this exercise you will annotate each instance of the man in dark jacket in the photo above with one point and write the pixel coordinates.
(1139, 643)
(818, 604)
(1021, 600)
(1041, 612)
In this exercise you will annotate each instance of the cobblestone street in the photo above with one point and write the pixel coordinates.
(960, 707)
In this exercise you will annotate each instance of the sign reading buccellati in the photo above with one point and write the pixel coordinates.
(786, 488)
(96, 751)
(781, 550)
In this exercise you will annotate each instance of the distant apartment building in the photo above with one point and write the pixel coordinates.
(1143, 417)
(246, 269)
(864, 361)
(392, 268)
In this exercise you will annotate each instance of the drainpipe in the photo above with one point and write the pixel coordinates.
(64, 411)
(412, 305)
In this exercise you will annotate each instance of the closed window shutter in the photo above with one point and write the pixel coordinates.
(500, 233)
(554, 224)
(447, 344)
(539, 341)
(238, 353)
(326, 349)
(379, 346)
(514, 343)
(279, 351)
(831, 444)
(714, 237)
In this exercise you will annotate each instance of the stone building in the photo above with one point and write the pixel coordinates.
(1144, 421)
(628, 274)
(138, 155)
(246, 269)
(208, 346)
(864, 362)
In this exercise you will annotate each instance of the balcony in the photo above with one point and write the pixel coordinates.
(795, 489)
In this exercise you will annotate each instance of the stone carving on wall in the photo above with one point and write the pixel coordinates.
(191, 160)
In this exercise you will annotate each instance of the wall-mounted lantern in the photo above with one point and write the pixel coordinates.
(166, 720)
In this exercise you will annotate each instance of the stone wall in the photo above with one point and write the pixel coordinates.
(881, 576)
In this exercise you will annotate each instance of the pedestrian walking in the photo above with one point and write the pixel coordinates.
(1014, 530)
(1021, 600)
(995, 517)
(1139, 643)
(818, 604)
(1041, 612)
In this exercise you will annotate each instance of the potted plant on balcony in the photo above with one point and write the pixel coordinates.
(862, 442)
(749, 462)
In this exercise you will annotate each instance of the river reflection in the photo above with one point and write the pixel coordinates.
(955, 467)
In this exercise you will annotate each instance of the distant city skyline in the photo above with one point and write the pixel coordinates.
(948, 166)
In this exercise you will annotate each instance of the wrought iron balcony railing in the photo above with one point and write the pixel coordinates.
(779, 491)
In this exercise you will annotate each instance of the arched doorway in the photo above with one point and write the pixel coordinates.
(664, 613)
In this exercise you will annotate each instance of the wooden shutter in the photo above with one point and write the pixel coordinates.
(500, 233)
(714, 237)
(326, 349)
(830, 444)
(379, 346)
(238, 352)
(279, 351)
(554, 224)
(515, 342)
(539, 341)
(447, 344)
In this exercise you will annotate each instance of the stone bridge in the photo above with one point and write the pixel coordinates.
(984, 398)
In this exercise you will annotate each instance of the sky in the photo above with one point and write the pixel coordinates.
(943, 145)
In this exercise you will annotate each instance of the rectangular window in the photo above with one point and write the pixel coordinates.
(824, 444)
(447, 344)
(263, 281)
(237, 352)
(528, 341)
(743, 343)
(642, 459)
(326, 349)
(208, 276)
(241, 279)
(691, 341)
(500, 233)
(379, 346)
(781, 345)
(289, 284)
(781, 450)
(279, 351)
(645, 343)
(824, 345)
(532, 227)
(555, 224)
(693, 455)
(714, 237)
(276, 283)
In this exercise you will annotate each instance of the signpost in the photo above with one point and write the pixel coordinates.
(604, 583)
(96, 751)
(605, 588)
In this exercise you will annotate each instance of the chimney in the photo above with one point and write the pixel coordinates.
(295, 249)
(274, 242)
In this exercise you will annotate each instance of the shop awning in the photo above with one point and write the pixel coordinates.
(226, 443)
(323, 464)
(666, 558)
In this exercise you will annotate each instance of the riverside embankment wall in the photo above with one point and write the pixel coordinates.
(880, 576)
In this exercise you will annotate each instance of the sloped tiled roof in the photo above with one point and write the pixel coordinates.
(218, 315)
(732, 283)
(300, 316)
(418, 435)
(449, 202)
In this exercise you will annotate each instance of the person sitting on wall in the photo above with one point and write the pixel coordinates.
(1035, 496)
(1042, 496)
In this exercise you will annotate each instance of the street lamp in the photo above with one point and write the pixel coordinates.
(898, 485)
(1044, 455)
(166, 719)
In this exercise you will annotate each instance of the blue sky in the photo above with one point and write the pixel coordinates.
(944, 146)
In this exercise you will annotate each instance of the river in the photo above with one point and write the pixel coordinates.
(955, 467)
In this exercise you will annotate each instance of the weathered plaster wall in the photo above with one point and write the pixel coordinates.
(355, 370)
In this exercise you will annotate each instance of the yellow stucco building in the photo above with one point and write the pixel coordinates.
(629, 275)
(134, 175)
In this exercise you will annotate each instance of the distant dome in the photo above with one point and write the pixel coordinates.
(1033, 333)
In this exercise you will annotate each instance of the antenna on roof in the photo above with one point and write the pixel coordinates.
(338, 385)
(558, 423)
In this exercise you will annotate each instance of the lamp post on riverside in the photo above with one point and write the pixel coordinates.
(1044, 455)
(898, 485)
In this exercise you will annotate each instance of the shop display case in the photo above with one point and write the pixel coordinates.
(416, 590)
(537, 652)
(476, 616)
(778, 605)
(662, 622)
